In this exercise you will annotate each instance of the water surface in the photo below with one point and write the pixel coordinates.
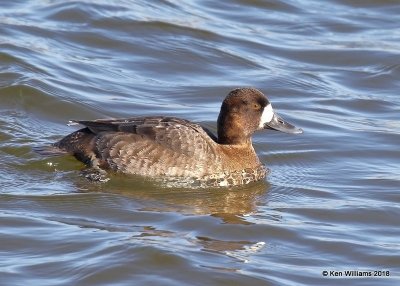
(331, 202)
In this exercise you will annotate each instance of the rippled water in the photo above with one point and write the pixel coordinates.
(331, 202)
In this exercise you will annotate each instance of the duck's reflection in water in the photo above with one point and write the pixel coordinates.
(229, 204)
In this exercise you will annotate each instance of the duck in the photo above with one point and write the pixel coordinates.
(178, 151)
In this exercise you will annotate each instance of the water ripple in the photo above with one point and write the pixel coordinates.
(331, 68)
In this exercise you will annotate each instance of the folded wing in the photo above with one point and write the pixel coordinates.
(152, 146)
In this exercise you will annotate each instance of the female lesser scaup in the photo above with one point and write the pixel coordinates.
(178, 150)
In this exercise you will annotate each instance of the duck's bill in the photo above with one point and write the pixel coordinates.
(277, 123)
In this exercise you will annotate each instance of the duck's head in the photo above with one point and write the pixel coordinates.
(244, 111)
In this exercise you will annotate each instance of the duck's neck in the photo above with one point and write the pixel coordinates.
(231, 132)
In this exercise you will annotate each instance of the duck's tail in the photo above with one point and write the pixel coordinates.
(49, 151)
(79, 144)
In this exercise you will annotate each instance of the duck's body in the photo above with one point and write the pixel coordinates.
(173, 148)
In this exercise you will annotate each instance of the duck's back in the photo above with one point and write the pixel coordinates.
(147, 146)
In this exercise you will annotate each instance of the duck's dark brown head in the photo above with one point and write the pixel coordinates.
(244, 111)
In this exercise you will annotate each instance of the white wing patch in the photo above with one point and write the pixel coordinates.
(266, 116)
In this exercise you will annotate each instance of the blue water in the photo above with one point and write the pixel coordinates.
(331, 202)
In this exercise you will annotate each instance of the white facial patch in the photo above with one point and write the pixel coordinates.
(267, 115)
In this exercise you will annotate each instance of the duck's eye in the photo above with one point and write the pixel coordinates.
(256, 106)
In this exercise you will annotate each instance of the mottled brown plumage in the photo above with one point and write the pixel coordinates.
(177, 150)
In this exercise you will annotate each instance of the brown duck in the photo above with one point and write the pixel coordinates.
(178, 151)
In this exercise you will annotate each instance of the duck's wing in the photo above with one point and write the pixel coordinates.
(174, 133)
